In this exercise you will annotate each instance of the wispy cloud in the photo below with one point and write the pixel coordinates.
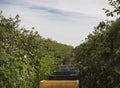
(50, 10)
(12, 2)
(67, 21)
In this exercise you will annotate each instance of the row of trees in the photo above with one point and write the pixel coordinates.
(26, 57)
(98, 58)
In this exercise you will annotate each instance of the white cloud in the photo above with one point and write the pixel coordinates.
(66, 21)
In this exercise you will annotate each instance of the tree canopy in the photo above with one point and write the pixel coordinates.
(25, 56)
(98, 58)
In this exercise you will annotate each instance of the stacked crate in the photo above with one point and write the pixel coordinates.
(64, 77)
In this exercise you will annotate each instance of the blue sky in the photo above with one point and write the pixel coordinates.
(66, 21)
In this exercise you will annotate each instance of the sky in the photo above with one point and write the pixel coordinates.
(65, 21)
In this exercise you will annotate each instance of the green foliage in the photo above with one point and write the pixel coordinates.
(26, 57)
(116, 8)
(98, 58)
(46, 66)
